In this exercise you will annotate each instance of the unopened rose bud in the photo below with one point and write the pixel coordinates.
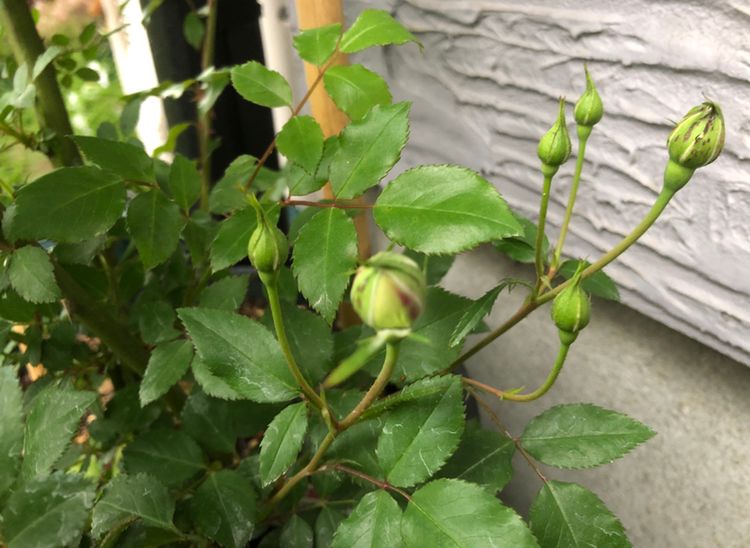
(268, 248)
(554, 147)
(589, 108)
(696, 141)
(388, 291)
(571, 311)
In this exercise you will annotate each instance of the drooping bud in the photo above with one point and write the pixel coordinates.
(554, 147)
(388, 291)
(268, 248)
(571, 311)
(589, 108)
(696, 141)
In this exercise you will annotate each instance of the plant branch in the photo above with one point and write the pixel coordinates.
(361, 475)
(391, 357)
(337, 205)
(204, 120)
(531, 396)
(500, 426)
(582, 139)
(295, 111)
(532, 304)
(539, 255)
(272, 289)
(16, 20)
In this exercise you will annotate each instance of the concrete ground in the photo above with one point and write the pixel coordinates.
(689, 487)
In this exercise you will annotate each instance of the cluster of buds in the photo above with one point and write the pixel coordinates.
(388, 291)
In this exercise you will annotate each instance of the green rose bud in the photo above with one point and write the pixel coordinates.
(268, 248)
(554, 147)
(696, 141)
(388, 291)
(571, 311)
(589, 108)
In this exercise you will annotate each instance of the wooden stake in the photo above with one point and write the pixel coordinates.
(312, 14)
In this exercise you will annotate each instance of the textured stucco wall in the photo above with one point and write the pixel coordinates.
(485, 90)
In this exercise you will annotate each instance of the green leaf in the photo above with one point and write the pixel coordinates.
(80, 253)
(301, 141)
(310, 339)
(198, 234)
(368, 149)
(522, 248)
(443, 209)
(582, 435)
(282, 442)
(87, 74)
(52, 420)
(70, 204)
(193, 29)
(566, 515)
(223, 509)
(209, 422)
(230, 244)
(429, 351)
(44, 60)
(598, 284)
(155, 224)
(156, 321)
(325, 525)
(296, 533)
(32, 276)
(317, 45)
(355, 89)
(226, 294)
(170, 455)
(374, 28)
(261, 86)
(475, 313)
(128, 161)
(167, 364)
(241, 352)
(483, 457)
(184, 182)
(418, 437)
(50, 511)
(325, 255)
(133, 497)
(11, 427)
(454, 513)
(212, 384)
(374, 522)
(435, 267)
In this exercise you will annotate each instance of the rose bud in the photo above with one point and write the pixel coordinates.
(388, 291)
(696, 141)
(571, 311)
(589, 108)
(554, 147)
(268, 247)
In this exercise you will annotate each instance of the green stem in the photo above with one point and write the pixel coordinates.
(16, 20)
(539, 260)
(299, 476)
(531, 396)
(272, 288)
(659, 205)
(529, 306)
(583, 137)
(204, 120)
(391, 357)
